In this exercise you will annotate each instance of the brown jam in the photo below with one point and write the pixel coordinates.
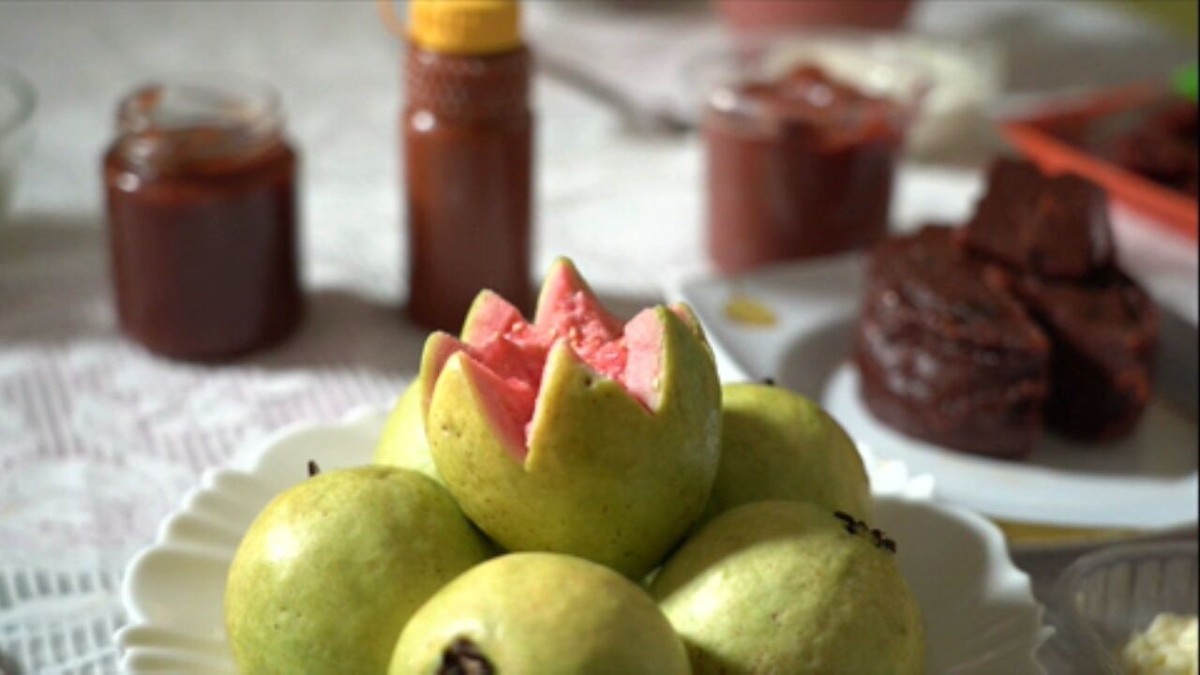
(1047, 226)
(468, 155)
(201, 198)
(798, 167)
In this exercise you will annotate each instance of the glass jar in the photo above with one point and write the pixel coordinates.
(17, 101)
(201, 197)
(799, 163)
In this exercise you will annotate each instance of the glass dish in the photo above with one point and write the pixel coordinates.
(17, 100)
(1107, 596)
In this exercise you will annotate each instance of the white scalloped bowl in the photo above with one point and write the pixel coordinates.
(979, 612)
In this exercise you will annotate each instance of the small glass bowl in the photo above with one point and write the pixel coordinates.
(1108, 596)
(17, 100)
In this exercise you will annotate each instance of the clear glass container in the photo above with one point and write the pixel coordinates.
(17, 101)
(800, 160)
(1108, 596)
(201, 195)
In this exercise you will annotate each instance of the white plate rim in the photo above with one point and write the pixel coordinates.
(763, 351)
(145, 638)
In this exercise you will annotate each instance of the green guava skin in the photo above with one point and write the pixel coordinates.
(331, 570)
(403, 442)
(776, 444)
(783, 587)
(543, 614)
(604, 478)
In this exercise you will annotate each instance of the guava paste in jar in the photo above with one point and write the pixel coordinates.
(200, 186)
(797, 167)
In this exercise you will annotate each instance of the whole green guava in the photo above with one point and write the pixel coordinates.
(403, 442)
(331, 570)
(788, 587)
(776, 444)
(540, 613)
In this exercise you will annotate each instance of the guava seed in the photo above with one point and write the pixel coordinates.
(463, 657)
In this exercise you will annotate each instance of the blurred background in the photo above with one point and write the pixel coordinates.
(99, 439)
(606, 62)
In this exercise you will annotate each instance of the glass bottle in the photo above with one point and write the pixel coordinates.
(468, 154)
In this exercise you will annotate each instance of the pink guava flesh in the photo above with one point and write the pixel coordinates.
(507, 354)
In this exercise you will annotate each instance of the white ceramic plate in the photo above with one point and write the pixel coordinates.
(979, 611)
(1148, 481)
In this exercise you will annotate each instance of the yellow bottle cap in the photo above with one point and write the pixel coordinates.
(465, 26)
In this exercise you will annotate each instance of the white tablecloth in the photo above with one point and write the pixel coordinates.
(98, 439)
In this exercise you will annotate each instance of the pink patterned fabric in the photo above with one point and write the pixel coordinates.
(99, 440)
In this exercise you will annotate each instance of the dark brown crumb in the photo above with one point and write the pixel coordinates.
(769, 381)
(848, 521)
(855, 526)
(313, 469)
(463, 657)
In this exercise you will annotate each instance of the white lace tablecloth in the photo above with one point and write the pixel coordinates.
(98, 439)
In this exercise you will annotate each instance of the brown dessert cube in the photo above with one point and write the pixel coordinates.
(1049, 226)
(1104, 335)
(945, 353)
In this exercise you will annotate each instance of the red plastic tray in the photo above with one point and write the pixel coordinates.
(1035, 136)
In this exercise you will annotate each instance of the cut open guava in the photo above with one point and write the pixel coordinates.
(574, 433)
(506, 355)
